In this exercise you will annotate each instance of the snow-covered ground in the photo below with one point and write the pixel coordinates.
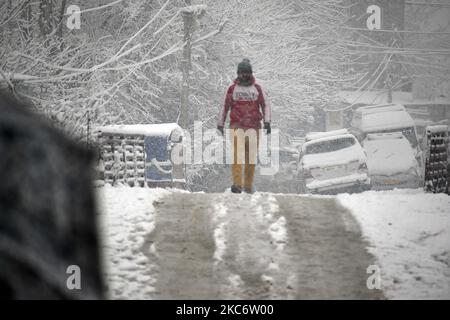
(126, 218)
(409, 234)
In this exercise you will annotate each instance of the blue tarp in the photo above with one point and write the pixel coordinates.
(157, 157)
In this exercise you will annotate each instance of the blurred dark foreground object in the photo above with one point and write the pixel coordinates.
(48, 218)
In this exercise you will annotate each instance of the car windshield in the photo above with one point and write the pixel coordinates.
(330, 145)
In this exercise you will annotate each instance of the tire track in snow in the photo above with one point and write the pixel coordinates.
(259, 246)
(230, 284)
(219, 220)
(185, 247)
(326, 250)
(253, 235)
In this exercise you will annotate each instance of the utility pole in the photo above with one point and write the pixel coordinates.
(185, 112)
(88, 130)
(395, 67)
(389, 86)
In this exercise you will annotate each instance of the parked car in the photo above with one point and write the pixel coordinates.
(333, 162)
(384, 119)
(391, 161)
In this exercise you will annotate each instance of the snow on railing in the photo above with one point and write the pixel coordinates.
(137, 155)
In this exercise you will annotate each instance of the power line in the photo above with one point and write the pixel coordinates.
(383, 65)
(440, 67)
(397, 31)
(440, 4)
(399, 52)
(383, 49)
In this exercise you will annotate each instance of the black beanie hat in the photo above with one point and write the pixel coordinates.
(244, 66)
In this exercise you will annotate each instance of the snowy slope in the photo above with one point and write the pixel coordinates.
(409, 233)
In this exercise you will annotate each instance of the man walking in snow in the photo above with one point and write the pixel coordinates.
(248, 108)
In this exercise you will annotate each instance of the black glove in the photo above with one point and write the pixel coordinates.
(267, 127)
(220, 128)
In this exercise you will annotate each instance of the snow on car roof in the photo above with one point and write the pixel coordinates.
(160, 129)
(387, 135)
(386, 120)
(337, 157)
(327, 138)
(380, 108)
(318, 135)
(380, 96)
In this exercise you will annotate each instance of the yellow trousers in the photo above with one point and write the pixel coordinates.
(245, 144)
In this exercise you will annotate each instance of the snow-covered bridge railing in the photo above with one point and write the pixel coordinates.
(139, 155)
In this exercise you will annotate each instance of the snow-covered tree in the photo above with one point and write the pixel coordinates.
(115, 65)
(297, 51)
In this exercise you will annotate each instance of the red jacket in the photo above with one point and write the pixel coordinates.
(248, 106)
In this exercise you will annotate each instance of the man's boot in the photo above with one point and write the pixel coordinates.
(248, 190)
(236, 189)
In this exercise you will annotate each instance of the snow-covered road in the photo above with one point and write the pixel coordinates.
(170, 244)
(409, 234)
